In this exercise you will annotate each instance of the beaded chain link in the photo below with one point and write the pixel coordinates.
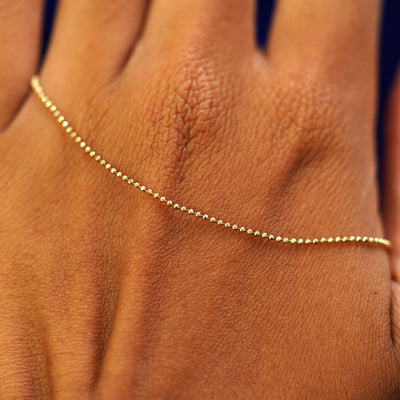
(49, 104)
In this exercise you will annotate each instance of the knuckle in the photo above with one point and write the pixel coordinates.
(189, 102)
(315, 119)
(186, 112)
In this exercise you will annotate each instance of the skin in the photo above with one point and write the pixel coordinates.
(107, 293)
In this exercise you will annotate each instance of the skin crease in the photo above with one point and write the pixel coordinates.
(106, 293)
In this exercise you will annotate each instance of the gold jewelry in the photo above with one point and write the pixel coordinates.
(48, 103)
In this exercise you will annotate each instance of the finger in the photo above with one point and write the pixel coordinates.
(20, 29)
(341, 35)
(392, 201)
(222, 26)
(94, 38)
(392, 176)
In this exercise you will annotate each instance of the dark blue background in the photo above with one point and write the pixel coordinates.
(389, 57)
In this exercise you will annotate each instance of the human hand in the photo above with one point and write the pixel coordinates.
(107, 293)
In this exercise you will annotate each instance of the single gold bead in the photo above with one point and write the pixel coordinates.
(103, 162)
(293, 240)
(300, 241)
(235, 227)
(307, 241)
(220, 222)
(265, 235)
(257, 233)
(365, 239)
(191, 211)
(330, 240)
(242, 229)
(88, 149)
(48, 104)
(73, 135)
(92, 153)
(176, 206)
(278, 238)
(352, 238)
(149, 191)
(358, 239)
(285, 240)
(97, 158)
(338, 239)
(82, 144)
(183, 208)
(108, 166)
(137, 185)
(169, 203)
(156, 195)
(250, 231)
(53, 108)
(119, 174)
(345, 239)
(227, 225)
(64, 124)
(56, 113)
(113, 170)
(315, 241)
(125, 178)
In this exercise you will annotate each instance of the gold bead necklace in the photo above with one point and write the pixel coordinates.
(49, 104)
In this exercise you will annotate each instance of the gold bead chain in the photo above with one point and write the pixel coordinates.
(49, 104)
